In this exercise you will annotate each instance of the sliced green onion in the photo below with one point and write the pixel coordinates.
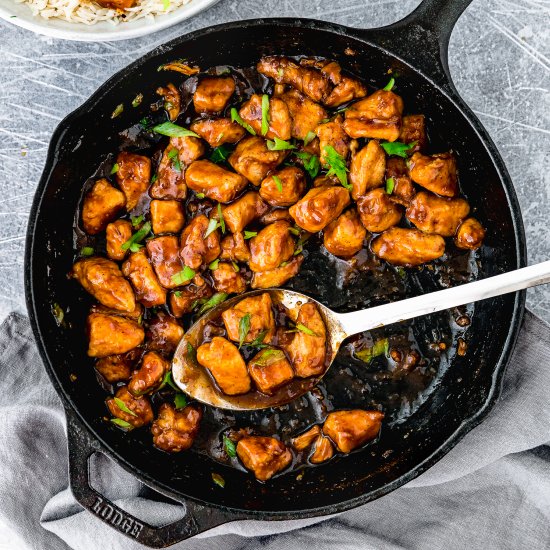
(244, 327)
(173, 130)
(86, 251)
(229, 447)
(114, 169)
(265, 114)
(389, 85)
(390, 184)
(123, 407)
(212, 226)
(184, 276)
(118, 110)
(278, 183)
(235, 117)
(279, 145)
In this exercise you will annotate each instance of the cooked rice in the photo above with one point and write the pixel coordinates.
(89, 13)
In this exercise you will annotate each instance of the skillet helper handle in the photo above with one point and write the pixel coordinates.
(197, 518)
(421, 39)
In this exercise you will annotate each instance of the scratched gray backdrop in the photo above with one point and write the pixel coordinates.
(499, 59)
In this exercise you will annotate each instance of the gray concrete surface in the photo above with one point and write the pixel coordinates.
(499, 59)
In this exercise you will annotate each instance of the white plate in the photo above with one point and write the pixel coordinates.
(21, 15)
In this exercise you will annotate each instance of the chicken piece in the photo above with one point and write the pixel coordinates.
(182, 301)
(218, 131)
(271, 247)
(345, 235)
(179, 154)
(270, 370)
(149, 375)
(319, 207)
(403, 189)
(433, 214)
(165, 259)
(470, 234)
(117, 233)
(377, 211)
(278, 116)
(243, 211)
(148, 290)
(284, 187)
(226, 365)
(278, 276)
(286, 71)
(175, 430)
(226, 279)
(367, 169)
(436, 173)
(235, 249)
(325, 180)
(332, 134)
(118, 368)
(408, 247)
(305, 114)
(307, 351)
(101, 205)
(305, 440)
(172, 100)
(163, 333)
(322, 451)
(253, 160)
(260, 315)
(377, 116)
(265, 456)
(351, 429)
(195, 248)
(167, 216)
(117, 4)
(214, 181)
(133, 176)
(140, 407)
(103, 279)
(213, 93)
(276, 215)
(414, 130)
(112, 334)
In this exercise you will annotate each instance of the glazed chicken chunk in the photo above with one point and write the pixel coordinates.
(319, 207)
(215, 182)
(260, 315)
(265, 456)
(270, 370)
(117, 233)
(331, 134)
(167, 216)
(433, 214)
(172, 100)
(175, 430)
(278, 276)
(413, 130)
(183, 300)
(470, 234)
(436, 173)
(271, 247)
(243, 211)
(149, 375)
(283, 187)
(163, 333)
(218, 131)
(223, 360)
(228, 279)
(307, 348)
(351, 429)
(322, 450)
(117, 368)
(165, 259)
(408, 247)
(305, 114)
(101, 206)
(195, 249)
(213, 93)
(103, 279)
(377, 211)
(253, 160)
(234, 248)
(345, 235)
(403, 189)
(133, 176)
(140, 407)
(367, 169)
(148, 290)
(306, 440)
(279, 125)
(377, 116)
(112, 334)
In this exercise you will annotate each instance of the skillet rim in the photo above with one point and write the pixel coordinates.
(484, 139)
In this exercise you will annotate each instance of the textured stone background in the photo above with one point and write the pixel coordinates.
(499, 59)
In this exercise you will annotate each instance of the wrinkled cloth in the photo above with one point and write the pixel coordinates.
(491, 491)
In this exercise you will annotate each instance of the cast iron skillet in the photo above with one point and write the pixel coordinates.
(416, 48)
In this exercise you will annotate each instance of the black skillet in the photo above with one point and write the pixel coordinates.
(416, 48)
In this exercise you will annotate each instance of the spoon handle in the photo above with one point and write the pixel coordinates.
(366, 319)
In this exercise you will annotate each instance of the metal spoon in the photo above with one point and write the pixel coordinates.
(195, 381)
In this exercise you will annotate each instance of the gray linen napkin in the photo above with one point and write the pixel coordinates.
(492, 491)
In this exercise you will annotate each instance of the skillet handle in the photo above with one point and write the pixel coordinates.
(197, 519)
(421, 39)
